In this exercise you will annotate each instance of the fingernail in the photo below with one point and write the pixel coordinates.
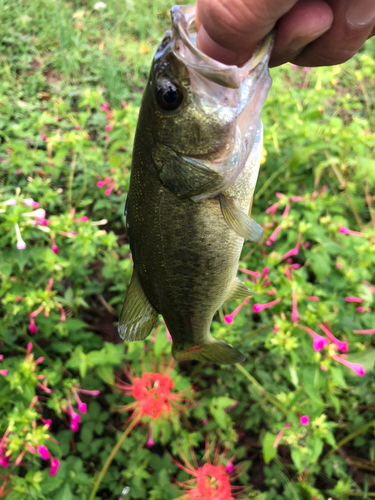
(360, 12)
(299, 43)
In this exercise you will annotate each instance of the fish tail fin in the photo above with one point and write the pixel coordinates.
(213, 351)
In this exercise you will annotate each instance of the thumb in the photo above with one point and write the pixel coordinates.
(229, 31)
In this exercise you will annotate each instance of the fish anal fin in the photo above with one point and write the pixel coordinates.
(213, 352)
(138, 317)
(240, 291)
(237, 220)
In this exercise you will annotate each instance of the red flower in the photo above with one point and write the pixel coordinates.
(211, 480)
(154, 393)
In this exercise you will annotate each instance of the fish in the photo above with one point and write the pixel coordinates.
(195, 162)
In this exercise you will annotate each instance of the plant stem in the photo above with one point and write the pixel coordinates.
(349, 437)
(112, 455)
(261, 389)
(269, 180)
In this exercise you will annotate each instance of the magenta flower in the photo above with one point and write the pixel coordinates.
(54, 247)
(319, 342)
(259, 307)
(4, 372)
(304, 420)
(343, 346)
(273, 236)
(55, 464)
(82, 407)
(345, 230)
(43, 452)
(47, 422)
(294, 251)
(294, 316)
(365, 332)
(89, 393)
(353, 299)
(106, 107)
(230, 317)
(338, 265)
(254, 274)
(265, 272)
(356, 367)
(150, 441)
(229, 467)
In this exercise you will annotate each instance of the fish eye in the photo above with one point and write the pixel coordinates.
(169, 96)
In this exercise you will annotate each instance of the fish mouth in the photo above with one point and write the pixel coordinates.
(186, 50)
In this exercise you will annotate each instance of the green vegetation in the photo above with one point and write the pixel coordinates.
(295, 420)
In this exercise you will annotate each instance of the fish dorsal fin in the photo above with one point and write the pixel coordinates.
(138, 317)
(241, 223)
(240, 291)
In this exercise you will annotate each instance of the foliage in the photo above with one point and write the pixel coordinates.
(298, 418)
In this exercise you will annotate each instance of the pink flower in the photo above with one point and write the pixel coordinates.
(272, 209)
(54, 247)
(109, 127)
(280, 195)
(360, 309)
(43, 452)
(323, 190)
(123, 104)
(4, 373)
(106, 137)
(259, 307)
(338, 265)
(265, 272)
(1, 357)
(294, 251)
(105, 107)
(32, 326)
(280, 435)
(75, 421)
(286, 211)
(294, 316)
(304, 420)
(229, 467)
(55, 464)
(150, 441)
(21, 245)
(293, 66)
(90, 393)
(365, 332)
(343, 346)
(356, 367)
(11, 201)
(82, 407)
(273, 236)
(70, 234)
(297, 198)
(84, 218)
(353, 299)
(47, 422)
(312, 298)
(345, 230)
(110, 188)
(78, 127)
(255, 274)
(29, 202)
(230, 317)
(319, 342)
(306, 70)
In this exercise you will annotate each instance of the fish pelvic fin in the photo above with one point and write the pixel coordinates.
(239, 291)
(213, 351)
(138, 317)
(240, 222)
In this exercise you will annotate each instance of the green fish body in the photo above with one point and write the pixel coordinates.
(195, 163)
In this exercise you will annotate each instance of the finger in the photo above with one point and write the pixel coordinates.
(303, 24)
(352, 24)
(236, 26)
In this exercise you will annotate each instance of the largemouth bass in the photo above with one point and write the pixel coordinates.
(195, 163)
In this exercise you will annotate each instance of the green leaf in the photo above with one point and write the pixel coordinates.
(105, 372)
(269, 451)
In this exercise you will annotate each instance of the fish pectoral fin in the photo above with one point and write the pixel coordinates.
(138, 317)
(187, 177)
(240, 291)
(213, 351)
(241, 223)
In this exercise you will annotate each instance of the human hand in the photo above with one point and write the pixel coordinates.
(309, 32)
